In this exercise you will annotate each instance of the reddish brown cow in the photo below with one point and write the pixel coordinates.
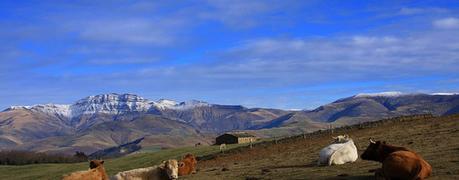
(96, 172)
(187, 165)
(397, 162)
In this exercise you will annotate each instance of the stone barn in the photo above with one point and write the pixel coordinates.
(235, 138)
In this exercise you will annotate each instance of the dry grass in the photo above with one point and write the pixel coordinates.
(436, 139)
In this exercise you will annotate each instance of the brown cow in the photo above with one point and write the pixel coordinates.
(397, 162)
(187, 165)
(96, 172)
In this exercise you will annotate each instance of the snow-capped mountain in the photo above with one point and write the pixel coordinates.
(398, 94)
(380, 94)
(113, 119)
(110, 104)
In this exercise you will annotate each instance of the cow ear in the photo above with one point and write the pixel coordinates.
(384, 142)
(181, 164)
(102, 162)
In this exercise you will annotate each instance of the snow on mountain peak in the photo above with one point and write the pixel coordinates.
(381, 94)
(165, 104)
(169, 104)
(50, 109)
(397, 94)
(191, 104)
(444, 94)
(111, 103)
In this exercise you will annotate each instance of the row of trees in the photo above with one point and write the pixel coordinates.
(15, 157)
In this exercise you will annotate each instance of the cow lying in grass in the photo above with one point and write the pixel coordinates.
(187, 165)
(341, 151)
(96, 172)
(397, 162)
(166, 170)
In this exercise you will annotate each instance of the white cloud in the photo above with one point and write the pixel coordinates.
(238, 14)
(368, 40)
(416, 10)
(128, 60)
(447, 23)
(411, 11)
(326, 59)
(137, 31)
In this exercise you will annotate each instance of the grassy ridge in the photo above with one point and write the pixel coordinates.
(436, 139)
(55, 171)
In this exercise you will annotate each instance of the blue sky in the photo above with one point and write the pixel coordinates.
(280, 54)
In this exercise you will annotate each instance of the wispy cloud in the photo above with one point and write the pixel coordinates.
(238, 13)
(424, 11)
(148, 31)
(447, 23)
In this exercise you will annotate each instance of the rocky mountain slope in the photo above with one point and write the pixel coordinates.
(107, 120)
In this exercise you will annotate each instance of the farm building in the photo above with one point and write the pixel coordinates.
(235, 138)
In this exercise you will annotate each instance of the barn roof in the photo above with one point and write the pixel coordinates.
(241, 134)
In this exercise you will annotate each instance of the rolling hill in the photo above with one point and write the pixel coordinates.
(370, 107)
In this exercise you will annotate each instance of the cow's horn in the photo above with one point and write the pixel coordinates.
(371, 141)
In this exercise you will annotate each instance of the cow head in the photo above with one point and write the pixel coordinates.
(188, 156)
(171, 168)
(373, 151)
(191, 157)
(95, 163)
(341, 138)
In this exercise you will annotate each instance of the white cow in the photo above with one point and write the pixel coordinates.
(167, 170)
(341, 151)
(222, 147)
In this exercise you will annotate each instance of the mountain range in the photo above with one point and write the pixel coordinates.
(109, 120)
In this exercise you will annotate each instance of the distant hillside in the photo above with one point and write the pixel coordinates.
(110, 120)
(370, 107)
(154, 130)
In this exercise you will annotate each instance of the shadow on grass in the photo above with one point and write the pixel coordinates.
(310, 165)
(360, 177)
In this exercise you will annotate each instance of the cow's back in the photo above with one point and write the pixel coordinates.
(152, 173)
(327, 152)
(338, 153)
(405, 165)
(346, 153)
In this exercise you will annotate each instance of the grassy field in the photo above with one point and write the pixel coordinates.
(55, 171)
(436, 139)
